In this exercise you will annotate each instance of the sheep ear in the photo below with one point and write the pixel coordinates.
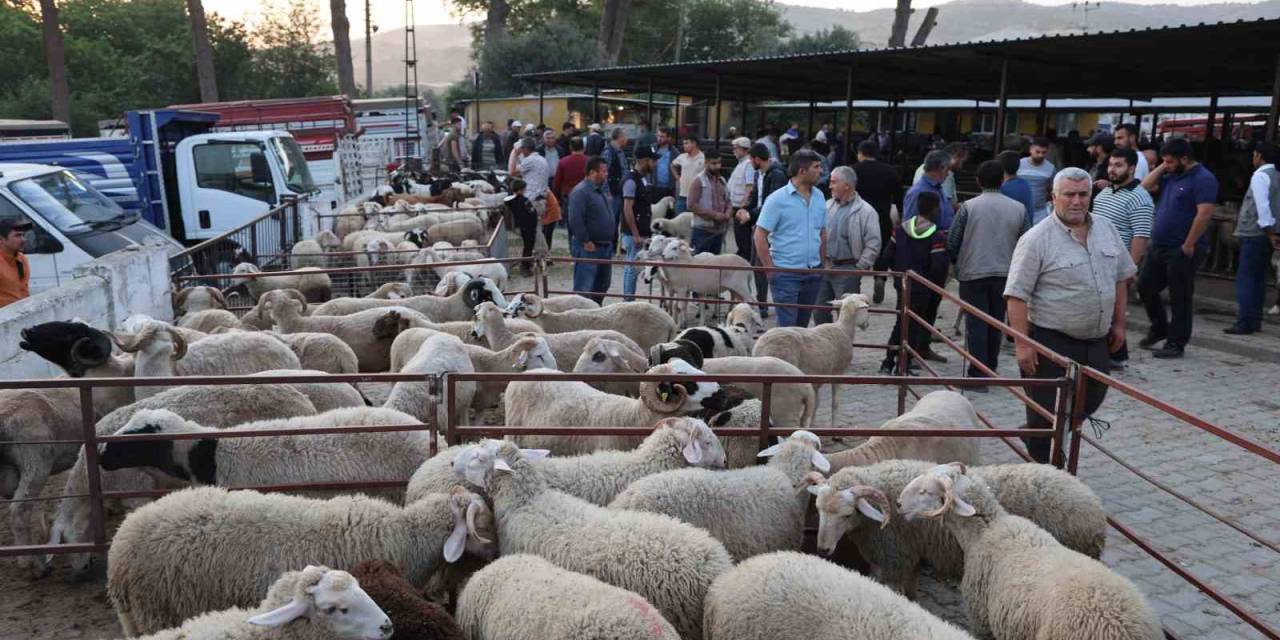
(868, 510)
(457, 540)
(501, 465)
(692, 450)
(771, 451)
(815, 489)
(535, 454)
(820, 462)
(296, 608)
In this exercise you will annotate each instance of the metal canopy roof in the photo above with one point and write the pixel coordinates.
(1237, 58)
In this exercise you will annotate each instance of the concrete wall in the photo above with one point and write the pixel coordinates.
(102, 293)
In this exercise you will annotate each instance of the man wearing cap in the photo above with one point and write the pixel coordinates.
(740, 183)
(637, 198)
(593, 144)
(15, 271)
(512, 136)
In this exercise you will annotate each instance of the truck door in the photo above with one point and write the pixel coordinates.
(225, 184)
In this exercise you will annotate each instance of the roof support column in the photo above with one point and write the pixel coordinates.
(1227, 133)
(809, 132)
(1155, 128)
(1002, 104)
(476, 121)
(595, 102)
(1213, 116)
(717, 142)
(848, 116)
(1275, 105)
(678, 136)
(893, 129)
(648, 116)
(743, 131)
(541, 91)
(1042, 118)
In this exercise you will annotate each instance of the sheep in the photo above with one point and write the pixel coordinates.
(794, 595)
(750, 511)
(247, 462)
(451, 282)
(936, 410)
(411, 337)
(311, 252)
(359, 241)
(411, 615)
(644, 323)
(456, 231)
(604, 354)
(1019, 582)
(538, 403)
(457, 307)
(300, 605)
(352, 219)
(500, 332)
(792, 404)
(668, 562)
(718, 342)
(709, 282)
(209, 320)
(369, 333)
(320, 351)
(166, 564)
(392, 291)
(325, 396)
(216, 406)
(193, 299)
(530, 351)
(441, 353)
(680, 226)
(567, 301)
(551, 603)
(739, 451)
(450, 196)
(824, 350)
(316, 287)
(1054, 499)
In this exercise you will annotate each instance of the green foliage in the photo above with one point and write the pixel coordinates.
(836, 38)
(556, 45)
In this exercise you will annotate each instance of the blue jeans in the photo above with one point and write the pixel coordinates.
(682, 205)
(629, 273)
(1251, 281)
(795, 288)
(591, 278)
(703, 240)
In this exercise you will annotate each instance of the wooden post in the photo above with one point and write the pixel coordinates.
(848, 117)
(717, 142)
(809, 131)
(1002, 104)
(595, 103)
(1213, 115)
(649, 109)
(1042, 119)
(540, 99)
(1275, 105)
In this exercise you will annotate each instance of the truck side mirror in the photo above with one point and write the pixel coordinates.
(261, 170)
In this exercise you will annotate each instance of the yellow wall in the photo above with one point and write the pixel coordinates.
(554, 112)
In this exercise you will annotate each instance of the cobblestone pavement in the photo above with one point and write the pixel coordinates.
(1238, 392)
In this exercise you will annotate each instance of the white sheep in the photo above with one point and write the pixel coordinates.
(1019, 582)
(551, 603)
(440, 353)
(193, 299)
(500, 332)
(312, 604)
(352, 220)
(325, 396)
(680, 226)
(555, 403)
(369, 333)
(450, 282)
(316, 287)
(644, 323)
(320, 351)
(794, 595)
(607, 355)
(391, 291)
(853, 507)
(705, 282)
(751, 511)
(312, 252)
(457, 307)
(413, 334)
(456, 231)
(209, 320)
(935, 410)
(670, 563)
(824, 350)
(791, 405)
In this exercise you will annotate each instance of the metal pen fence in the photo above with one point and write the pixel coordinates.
(273, 233)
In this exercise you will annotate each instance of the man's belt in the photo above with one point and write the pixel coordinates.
(844, 261)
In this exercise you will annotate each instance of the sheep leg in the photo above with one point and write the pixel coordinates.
(34, 468)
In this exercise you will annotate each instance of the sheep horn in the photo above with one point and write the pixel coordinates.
(132, 344)
(179, 344)
(471, 524)
(78, 346)
(649, 393)
(217, 295)
(875, 497)
(298, 295)
(181, 298)
(533, 306)
(948, 497)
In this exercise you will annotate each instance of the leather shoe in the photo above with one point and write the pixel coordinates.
(1150, 341)
(1168, 351)
(877, 296)
(933, 356)
(1237, 331)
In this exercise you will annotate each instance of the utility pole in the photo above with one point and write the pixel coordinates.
(1085, 7)
(680, 36)
(369, 29)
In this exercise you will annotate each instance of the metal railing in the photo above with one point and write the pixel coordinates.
(273, 233)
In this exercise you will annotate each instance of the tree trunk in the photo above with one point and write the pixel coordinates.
(901, 20)
(205, 73)
(55, 56)
(495, 22)
(613, 24)
(342, 47)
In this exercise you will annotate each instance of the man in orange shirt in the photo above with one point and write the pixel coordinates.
(15, 271)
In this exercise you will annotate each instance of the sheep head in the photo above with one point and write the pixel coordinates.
(152, 336)
(841, 511)
(486, 313)
(800, 438)
(744, 316)
(698, 444)
(389, 325)
(530, 351)
(280, 303)
(328, 599)
(75, 347)
(474, 530)
(482, 290)
(856, 306)
(936, 492)
(686, 350)
(602, 355)
(673, 397)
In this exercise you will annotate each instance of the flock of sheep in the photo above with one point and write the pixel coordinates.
(678, 534)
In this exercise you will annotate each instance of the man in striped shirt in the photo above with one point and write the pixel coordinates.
(1128, 207)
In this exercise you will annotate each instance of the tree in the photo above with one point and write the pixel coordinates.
(56, 58)
(495, 20)
(206, 75)
(836, 38)
(288, 57)
(342, 46)
(556, 45)
(613, 24)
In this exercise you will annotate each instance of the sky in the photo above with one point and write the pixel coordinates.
(390, 13)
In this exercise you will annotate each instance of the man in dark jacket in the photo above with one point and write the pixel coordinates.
(770, 176)
(591, 228)
(879, 185)
(917, 245)
(486, 149)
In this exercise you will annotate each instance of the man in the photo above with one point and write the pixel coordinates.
(451, 146)
(569, 172)
(1014, 186)
(512, 136)
(1127, 138)
(824, 134)
(537, 175)
(567, 133)
(769, 138)
(1038, 171)
(615, 155)
(958, 153)
(917, 245)
(1128, 207)
(879, 185)
(1188, 196)
(1099, 148)
(551, 151)
(769, 178)
(15, 271)
(1256, 229)
(637, 198)
(486, 149)
(980, 243)
(740, 183)
(686, 167)
(663, 178)
(937, 168)
(591, 227)
(853, 239)
(594, 142)
(645, 137)
(790, 234)
(709, 202)
(1076, 312)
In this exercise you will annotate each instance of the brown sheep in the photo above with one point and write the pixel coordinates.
(413, 617)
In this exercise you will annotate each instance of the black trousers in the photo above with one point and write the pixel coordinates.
(527, 223)
(549, 232)
(982, 339)
(744, 235)
(1169, 268)
(886, 232)
(926, 306)
(1091, 353)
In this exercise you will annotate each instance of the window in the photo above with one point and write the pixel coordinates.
(229, 166)
(985, 123)
(1011, 123)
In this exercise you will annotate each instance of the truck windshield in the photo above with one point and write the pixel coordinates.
(71, 205)
(297, 176)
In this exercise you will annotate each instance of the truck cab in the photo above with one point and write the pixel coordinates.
(72, 222)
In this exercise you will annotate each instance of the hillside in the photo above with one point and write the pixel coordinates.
(444, 55)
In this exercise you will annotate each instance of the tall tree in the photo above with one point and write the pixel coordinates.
(206, 74)
(342, 46)
(56, 57)
(495, 20)
(613, 25)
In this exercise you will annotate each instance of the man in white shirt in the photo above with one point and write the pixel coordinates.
(1256, 231)
(1127, 138)
(686, 167)
(743, 176)
(533, 168)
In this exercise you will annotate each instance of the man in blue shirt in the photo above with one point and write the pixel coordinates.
(937, 166)
(591, 226)
(1015, 186)
(1188, 196)
(666, 154)
(790, 234)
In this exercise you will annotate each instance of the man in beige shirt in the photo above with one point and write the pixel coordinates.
(687, 167)
(1067, 291)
